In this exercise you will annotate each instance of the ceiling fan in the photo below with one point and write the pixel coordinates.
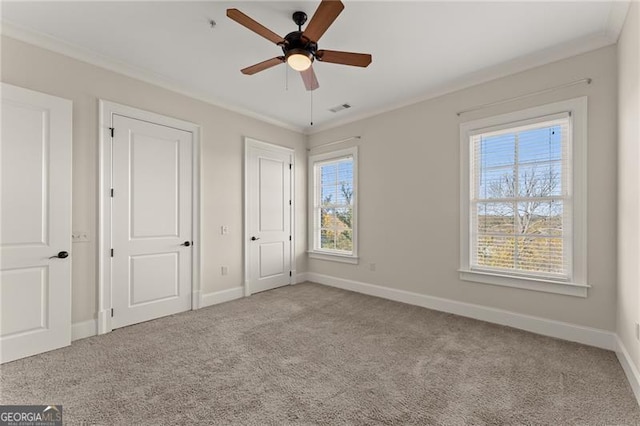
(300, 48)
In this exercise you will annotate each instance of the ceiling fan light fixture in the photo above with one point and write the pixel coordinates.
(299, 59)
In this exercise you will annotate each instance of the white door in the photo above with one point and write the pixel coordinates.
(35, 192)
(268, 216)
(151, 221)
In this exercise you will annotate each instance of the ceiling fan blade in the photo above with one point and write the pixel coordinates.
(309, 78)
(254, 26)
(344, 58)
(322, 19)
(262, 65)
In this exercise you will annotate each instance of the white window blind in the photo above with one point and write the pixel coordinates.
(521, 198)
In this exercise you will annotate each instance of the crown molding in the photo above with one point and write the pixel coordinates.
(615, 20)
(609, 35)
(54, 44)
(524, 63)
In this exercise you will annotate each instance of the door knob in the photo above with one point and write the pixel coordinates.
(255, 238)
(186, 244)
(60, 255)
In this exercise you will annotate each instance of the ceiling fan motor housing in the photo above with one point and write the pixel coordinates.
(296, 43)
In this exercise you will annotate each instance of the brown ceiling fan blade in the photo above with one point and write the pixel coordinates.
(309, 78)
(344, 58)
(263, 65)
(254, 26)
(327, 12)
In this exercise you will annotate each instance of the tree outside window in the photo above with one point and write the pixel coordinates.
(518, 202)
(336, 207)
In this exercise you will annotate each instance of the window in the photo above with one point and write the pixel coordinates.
(332, 198)
(523, 202)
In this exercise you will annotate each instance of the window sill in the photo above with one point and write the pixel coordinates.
(334, 257)
(526, 283)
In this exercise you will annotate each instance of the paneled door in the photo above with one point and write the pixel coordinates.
(151, 221)
(35, 223)
(268, 216)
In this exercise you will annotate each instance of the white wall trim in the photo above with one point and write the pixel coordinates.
(45, 41)
(333, 257)
(615, 21)
(553, 54)
(222, 296)
(525, 283)
(80, 330)
(629, 368)
(561, 330)
(107, 110)
(556, 53)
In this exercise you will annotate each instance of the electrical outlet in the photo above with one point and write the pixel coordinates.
(79, 237)
(224, 270)
(224, 230)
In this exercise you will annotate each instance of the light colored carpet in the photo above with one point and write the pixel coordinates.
(310, 354)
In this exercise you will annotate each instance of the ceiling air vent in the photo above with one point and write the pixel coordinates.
(339, 107)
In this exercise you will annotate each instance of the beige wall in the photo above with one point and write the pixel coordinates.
(409, 180)
(222, 150)
(409, 192)
(629, 181)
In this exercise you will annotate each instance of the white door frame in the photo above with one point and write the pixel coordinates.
(255, 143)
(107, 111)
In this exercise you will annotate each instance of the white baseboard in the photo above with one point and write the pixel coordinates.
(300, 277)
(222, 296)
(561, 330)
(629, 368)
(80, 330)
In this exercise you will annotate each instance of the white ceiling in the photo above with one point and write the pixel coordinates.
(419, 49)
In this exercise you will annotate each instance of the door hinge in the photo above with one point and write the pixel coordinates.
(111, 252)
(290, 274)
(290, 166)
(112, 129)
(111, 312)
(289, 237)
(289, 202)
(111, 192)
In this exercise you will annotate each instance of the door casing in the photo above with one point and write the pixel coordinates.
(248, 143)
(107, 110)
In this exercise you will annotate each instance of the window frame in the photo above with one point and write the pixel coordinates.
(313, 251)
(576, 282)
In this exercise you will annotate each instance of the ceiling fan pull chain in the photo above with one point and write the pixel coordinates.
(311, 91)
